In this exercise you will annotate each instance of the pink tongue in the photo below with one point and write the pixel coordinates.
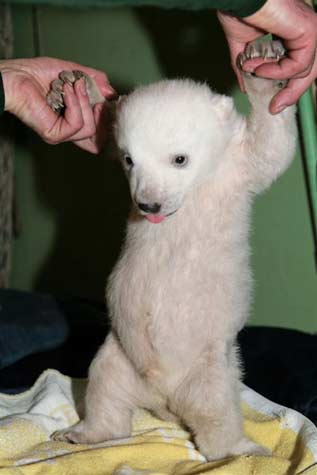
(154, 218)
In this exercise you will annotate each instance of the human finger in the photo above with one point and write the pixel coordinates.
(89, 126)
(68, 125)
(236, 49)
(290, 94)
(89, 145)
(100, 78)
(296, 64)
(96, 143)
(238, 35)
(263, 67)
(250, 65)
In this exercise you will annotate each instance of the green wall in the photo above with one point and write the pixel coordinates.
(72, 205)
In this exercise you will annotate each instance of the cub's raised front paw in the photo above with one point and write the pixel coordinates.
(268, 50)
(55, 97)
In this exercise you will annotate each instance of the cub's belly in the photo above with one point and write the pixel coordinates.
(167, 309)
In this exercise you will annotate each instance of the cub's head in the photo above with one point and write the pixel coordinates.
(171, 136)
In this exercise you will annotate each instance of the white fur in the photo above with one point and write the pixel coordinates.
(180, 291)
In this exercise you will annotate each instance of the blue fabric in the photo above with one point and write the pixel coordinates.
(281, 365)
(29, 323)
(86, 331)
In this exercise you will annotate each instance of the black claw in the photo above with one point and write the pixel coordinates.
(78, 74)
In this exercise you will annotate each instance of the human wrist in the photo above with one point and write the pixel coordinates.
(5, 79)
(8, 74)
(247, 9)
(3, 86)
(278, 16)
(265, 11)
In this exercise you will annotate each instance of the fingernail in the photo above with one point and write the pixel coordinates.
(279, 108)
(111, 95)
(69, 89)
(82, 87)
(110, 89)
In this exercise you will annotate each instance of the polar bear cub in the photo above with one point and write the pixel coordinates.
(180, 291)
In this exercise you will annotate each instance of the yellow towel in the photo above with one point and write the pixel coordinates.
(155, 447)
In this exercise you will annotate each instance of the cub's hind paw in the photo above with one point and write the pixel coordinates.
(75, 434)
(81, 433)
(64, 436)
(248, 447)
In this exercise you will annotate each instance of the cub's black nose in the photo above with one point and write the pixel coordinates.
(149, 208)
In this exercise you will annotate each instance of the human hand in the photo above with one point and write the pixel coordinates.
(295, 23)
(238, 35)
(26, 84)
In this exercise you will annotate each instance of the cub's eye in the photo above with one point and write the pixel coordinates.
(128, 160)
(180, 160)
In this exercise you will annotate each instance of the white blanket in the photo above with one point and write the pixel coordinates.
(155, 447)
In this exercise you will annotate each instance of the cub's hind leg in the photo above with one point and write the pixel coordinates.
(114, 391)
(208, 401)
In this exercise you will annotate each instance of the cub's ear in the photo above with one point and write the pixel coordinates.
(224, 106)
(112, 106)
(118, 101)
(121, 98)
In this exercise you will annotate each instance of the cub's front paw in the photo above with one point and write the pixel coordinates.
(55, 97)
(267, 50)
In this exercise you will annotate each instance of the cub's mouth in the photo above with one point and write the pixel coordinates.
(157, 218)
(152, 212)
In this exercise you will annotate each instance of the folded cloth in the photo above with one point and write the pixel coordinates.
(29, 323)
(155, 447)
